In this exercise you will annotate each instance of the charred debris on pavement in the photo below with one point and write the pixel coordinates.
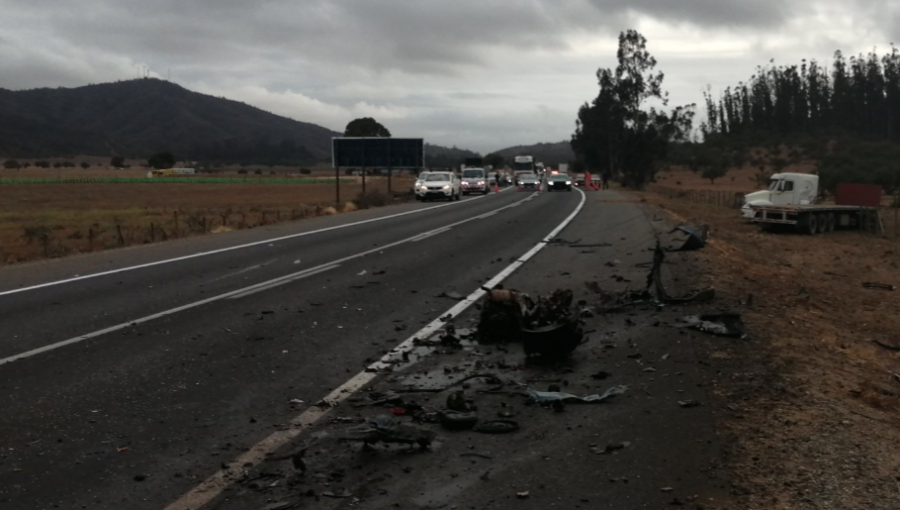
(407, 409)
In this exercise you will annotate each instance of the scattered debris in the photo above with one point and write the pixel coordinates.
(552, 328)
(598, 245)
(560, 240)
(654, 279)
(522, 495)
(689, 403)
(362, 273)
(614, 447)
(882, 286)
(456, 401)
(456, 420)
(895, 348)
(343, 494)
(601, 375)
(476, 454)
(501, 316)
(451, 295)
(552, 396)
(716, 324)
(381, 429)
(696, 237)
(497, 427)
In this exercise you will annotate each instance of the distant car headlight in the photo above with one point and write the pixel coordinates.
(568, 183)
(446, 186)
(481, 183)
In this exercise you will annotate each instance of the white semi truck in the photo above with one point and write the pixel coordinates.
(792, 200)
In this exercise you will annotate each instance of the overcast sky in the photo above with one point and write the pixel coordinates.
(479, 74)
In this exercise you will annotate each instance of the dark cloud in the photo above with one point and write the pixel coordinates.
(480, 72)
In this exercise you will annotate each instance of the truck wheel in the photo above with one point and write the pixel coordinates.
(829, 222)
(812, 224)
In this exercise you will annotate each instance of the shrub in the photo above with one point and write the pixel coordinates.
(305, 171)
(11, 164)
(242, 171)
(372, 199)
(257, 171)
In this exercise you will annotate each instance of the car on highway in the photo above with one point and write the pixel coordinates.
(439, 185)
(474, 180)
(419, 180)
(517, 175)
(529, 182)
(559, 182)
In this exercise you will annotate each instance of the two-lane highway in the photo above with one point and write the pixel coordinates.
(174, 369)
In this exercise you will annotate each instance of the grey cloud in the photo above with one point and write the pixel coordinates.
(468, 72)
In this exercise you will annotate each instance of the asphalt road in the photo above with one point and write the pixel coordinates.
(641, 449)
(174, 369)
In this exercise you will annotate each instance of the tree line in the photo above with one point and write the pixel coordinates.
(857, 96)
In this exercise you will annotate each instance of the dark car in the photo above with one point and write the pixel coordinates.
(559, 182)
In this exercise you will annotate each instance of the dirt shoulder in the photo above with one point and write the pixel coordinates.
(807, 407)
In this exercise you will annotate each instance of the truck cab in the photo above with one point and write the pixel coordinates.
(784, 189)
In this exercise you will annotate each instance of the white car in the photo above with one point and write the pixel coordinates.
(439, 185)
(419, 181)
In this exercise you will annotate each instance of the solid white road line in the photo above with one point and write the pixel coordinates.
(231, 248)
(232, 294)
(283, 280)
(215, 484)
(433, 233)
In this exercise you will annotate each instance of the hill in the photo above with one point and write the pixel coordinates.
(138, 117)
(549, 153)
(446, 157)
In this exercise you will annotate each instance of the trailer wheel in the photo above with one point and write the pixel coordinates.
(829, 222)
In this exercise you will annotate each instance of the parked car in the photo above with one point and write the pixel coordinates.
(439, 185)
(559, 182)
(474, 180)
(529, 182)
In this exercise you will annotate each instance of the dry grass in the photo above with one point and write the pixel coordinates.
(814, 410)
(53, 220)
(738, 179)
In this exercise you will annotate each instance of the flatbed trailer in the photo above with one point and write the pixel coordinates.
(818, 219)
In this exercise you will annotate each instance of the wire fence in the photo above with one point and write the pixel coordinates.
(729, 199)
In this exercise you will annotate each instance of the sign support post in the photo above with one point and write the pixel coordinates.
(337, 185)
